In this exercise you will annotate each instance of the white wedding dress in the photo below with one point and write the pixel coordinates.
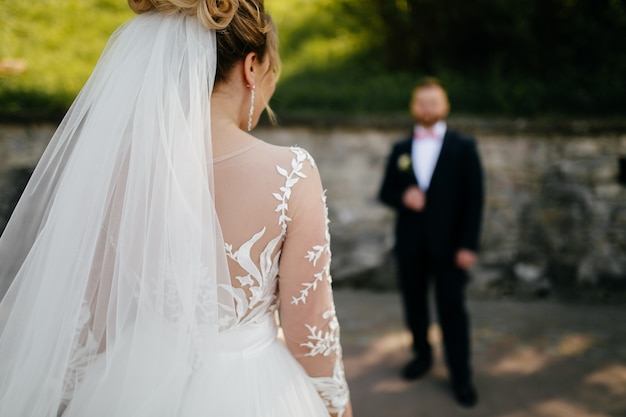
(272, 211)
(150, 279)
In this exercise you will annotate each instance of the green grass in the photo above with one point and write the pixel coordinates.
(59, 41)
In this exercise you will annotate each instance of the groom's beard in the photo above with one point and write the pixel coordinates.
(429, 120)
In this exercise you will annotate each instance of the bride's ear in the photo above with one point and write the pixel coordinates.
(250, 69)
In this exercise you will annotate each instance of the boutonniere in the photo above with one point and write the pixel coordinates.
(404, 162)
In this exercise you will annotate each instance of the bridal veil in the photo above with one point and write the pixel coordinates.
(115, 244)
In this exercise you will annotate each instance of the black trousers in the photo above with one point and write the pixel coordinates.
(415, 275)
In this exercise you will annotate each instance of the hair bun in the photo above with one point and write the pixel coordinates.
(214, 14)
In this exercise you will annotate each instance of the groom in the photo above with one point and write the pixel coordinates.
(434, 182)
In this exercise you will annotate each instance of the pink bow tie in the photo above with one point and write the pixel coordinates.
(423, 133)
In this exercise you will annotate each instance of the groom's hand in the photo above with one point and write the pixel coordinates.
(414, 198)
(465, 258)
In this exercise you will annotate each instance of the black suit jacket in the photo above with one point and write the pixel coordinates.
(452, 216)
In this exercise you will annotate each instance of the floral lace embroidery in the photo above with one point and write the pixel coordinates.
(334, 390)
(291, 179)
(324, 342)
(256, 296)
(83, 350)
(261, 284)
(313, 256)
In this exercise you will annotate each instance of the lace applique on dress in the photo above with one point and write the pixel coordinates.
(255, 290)
(83, 350)
(324, 341)
(313, 256)
(260, 298)
(334, 390)
(259, 282)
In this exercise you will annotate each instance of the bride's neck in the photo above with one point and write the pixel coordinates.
(226, 124)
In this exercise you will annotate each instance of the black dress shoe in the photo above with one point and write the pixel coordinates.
(417, 368)
(465, 394)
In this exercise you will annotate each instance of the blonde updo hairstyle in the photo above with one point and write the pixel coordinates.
(242, 26)
(214, 14)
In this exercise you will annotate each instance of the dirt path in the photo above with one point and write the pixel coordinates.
(531, 359)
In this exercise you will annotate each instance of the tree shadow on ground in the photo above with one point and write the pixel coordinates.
(531, 359)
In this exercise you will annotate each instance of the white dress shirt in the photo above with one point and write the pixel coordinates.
(425, 152)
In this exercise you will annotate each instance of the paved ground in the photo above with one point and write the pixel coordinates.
(531, 359)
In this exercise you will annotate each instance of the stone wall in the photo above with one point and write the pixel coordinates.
(555, 219)
(20, 149)
(555, 216)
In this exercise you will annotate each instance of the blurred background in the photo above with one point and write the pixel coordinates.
(541, 85)
(496, 57)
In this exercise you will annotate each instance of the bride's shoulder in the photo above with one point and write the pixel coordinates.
(293, 155)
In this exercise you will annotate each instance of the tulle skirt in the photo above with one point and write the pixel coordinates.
(251, 374)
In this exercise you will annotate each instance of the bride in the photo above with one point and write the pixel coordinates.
(163, 261)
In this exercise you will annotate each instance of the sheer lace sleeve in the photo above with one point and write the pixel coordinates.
(307, 309)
